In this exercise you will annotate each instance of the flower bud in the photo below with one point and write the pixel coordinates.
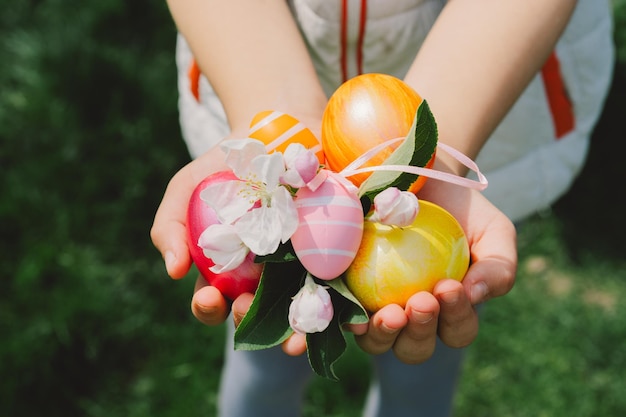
(301, 164)
(395, 208)
(311, 309)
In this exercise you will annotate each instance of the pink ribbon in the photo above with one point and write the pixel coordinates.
(480, 184)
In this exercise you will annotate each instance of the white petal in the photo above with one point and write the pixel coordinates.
(268, 169)
(386, 201)
(220, 243)
(395, 207)
(228, 199)
(283, 203)
(260, 230)
(292, 152)
(311, 310)
(302, 165)
(293, 178)
(240, 153)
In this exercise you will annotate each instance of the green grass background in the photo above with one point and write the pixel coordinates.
(91, 326)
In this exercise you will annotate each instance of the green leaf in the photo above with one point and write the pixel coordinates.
(266, 323)
(352, 312)
(416, 150)
(325, 348)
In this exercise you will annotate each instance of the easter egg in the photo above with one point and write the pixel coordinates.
(364, 112)
(330, 228)
(278, 130)
(244, 278)
(394, 263)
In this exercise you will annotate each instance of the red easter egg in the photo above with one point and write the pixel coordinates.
(231, 284)
(330, 228)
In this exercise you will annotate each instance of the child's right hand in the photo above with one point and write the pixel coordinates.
(169, 235)
(211, 308)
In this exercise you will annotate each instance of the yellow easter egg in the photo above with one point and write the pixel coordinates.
(394, 263)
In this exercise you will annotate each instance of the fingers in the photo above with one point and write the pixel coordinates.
(383, 329)
(412, 332)
(494, 266)
(489, 278)
(211, 308)
(169, 232)
(208, 304)
(240, 307)
(458, 321)
(491, 235)
(295, 345)
(416, 342)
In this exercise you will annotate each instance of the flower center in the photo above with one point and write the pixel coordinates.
(255, 190)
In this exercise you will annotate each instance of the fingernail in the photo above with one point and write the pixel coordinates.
(207, 310)
(388, 329)
(478, 292)
(421, 317)
(237, 317)
(170, 259)
(451, 297)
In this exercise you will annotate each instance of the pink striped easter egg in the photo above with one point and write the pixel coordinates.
(277, 130)
(330, 228)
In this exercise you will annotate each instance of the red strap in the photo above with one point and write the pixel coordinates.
(344, 39)
(194, 79)
(558, 100)
(359, 51)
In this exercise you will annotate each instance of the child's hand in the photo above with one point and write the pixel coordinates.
(211, 308)
(169, 232)
(449, 312)
(410, 332)
(169, 235)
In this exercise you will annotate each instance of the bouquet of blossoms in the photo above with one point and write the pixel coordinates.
(326, 233)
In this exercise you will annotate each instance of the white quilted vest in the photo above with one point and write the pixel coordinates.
(532, 157)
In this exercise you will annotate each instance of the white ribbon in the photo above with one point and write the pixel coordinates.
(480, 184)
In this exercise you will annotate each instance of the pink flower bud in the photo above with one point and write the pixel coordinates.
(311, 309)
(301, 166)
(395, 208)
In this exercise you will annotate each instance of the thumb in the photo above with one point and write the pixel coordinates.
(169, 230)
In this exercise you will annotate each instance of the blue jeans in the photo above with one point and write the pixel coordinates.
(270, 383)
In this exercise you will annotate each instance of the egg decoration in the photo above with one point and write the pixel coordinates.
(330, 228)
(231, 284)
(394, 263)
(364, 112)
(278, 130)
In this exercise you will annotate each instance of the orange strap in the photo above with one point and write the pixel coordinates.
(194, 79)
(558, 100)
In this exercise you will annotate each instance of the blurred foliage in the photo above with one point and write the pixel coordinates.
(90, 137)
(92, 326)
(592, 213)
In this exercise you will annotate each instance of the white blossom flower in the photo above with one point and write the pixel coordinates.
(311, 309)
(302, 165)
(261, 210)
(395, 208)
(221, 244)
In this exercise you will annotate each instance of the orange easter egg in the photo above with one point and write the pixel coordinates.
(278, 130)
(364, 112)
